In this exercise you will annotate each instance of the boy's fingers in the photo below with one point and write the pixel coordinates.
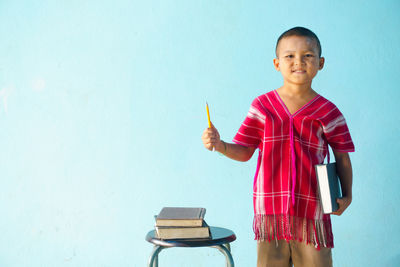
(208, 133)
(209, 143)
(338, 212)
(211, 134)
(210, 137)
(210, 147)
(343, 204)
(213, 127)
(212, 141)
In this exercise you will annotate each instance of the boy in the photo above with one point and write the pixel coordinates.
(292, 127)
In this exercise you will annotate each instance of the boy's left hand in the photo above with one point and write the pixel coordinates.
(343, 203)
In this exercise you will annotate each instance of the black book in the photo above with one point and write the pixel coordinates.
(328, 186)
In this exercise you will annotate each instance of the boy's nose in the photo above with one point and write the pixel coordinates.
(298, 60)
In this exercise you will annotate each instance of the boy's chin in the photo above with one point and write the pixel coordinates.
(299, 82)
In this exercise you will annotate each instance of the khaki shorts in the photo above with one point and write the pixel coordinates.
(285, 254)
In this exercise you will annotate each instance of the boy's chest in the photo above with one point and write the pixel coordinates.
(294, 105)
(305, 125)
(285, 117)
(283, 123)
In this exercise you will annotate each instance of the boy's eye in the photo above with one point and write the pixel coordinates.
(309, 55)
(289, 56)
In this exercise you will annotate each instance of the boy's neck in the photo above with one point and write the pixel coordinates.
(298, 91)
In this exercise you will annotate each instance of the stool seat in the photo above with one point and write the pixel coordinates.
(220, 239)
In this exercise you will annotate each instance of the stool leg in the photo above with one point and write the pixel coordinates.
(228, 246)
(153, 261)
(228, 255)
(155, 264)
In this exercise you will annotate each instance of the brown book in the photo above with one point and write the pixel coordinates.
(171, 232)
(184, 217)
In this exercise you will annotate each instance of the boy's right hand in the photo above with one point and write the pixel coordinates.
(211, 138)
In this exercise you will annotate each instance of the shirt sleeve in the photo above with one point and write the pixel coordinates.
(251, 131)
(337, 133)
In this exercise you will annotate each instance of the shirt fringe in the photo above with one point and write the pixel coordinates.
(278, 227)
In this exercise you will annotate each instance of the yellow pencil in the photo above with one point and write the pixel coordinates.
(209, 120)
(208, 116)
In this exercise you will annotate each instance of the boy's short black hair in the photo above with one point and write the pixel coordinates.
(299, 31)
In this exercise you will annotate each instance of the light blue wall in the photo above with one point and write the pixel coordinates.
(102, 109)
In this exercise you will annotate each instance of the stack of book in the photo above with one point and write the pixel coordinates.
(182, 223)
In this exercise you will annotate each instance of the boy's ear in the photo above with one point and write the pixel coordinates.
(276, 64)
(321, 63)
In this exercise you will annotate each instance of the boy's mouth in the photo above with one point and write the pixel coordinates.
(299, 71)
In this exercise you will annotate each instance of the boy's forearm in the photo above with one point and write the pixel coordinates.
(235, 151)
(345, 173)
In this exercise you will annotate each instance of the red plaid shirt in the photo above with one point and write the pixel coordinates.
(286, 201)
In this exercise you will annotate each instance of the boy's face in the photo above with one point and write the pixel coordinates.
(298, 60)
